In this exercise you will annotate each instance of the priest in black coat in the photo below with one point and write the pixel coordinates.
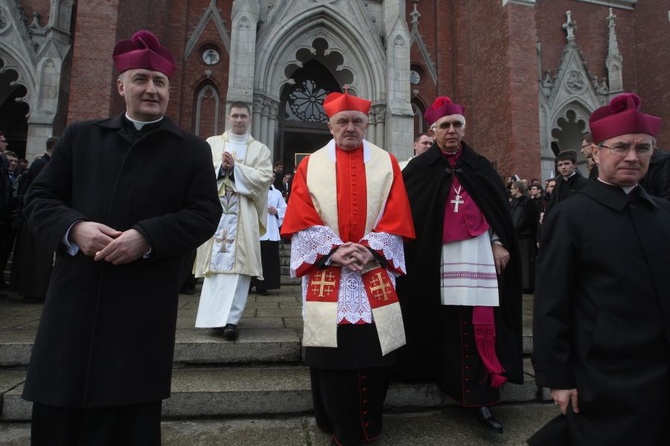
(122, 202)
(601, 328)
(463, 325)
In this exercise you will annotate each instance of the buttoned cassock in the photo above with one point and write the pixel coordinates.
(343, 196)
(107, 332)
(440, 338)
(602, 315)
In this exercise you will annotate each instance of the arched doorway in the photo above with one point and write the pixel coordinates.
(303, 122)
(568, 133)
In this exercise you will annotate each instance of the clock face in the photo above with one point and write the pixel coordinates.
(414, 77)
(210, 56)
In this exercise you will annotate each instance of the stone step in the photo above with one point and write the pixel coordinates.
(192, 346)
(260, 391)
(196, 347)
(449, 426)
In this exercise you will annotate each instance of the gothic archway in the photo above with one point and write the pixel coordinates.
(302, 120)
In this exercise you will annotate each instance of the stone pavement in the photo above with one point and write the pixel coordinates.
(255, 391)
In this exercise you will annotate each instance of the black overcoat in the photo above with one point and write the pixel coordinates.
(428, 179)
(602, 315)
(107, 332)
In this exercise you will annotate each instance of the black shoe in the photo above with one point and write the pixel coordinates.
(230, 332)
(485, 417)
(262, 292)
(188, 290)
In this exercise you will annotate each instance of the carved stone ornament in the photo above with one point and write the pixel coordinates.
(575, 81)
(4, 19)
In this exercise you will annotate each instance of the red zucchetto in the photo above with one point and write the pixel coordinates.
(442, 106)
(622, 116)
(337, 102)
(143, 51)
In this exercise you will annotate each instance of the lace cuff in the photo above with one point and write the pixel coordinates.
(391, 247)
(310, 244)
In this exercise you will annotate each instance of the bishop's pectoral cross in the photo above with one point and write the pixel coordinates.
(458, 200)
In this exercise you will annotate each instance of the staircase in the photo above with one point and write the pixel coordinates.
(260, 374)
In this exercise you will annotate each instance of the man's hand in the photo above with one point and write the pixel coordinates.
(92, 237)
(352, 255)
(563, 397)
(272, 210)
(227, 161)
(126, 248)
(500, 258)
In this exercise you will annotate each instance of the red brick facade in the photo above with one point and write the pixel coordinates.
(485, 54)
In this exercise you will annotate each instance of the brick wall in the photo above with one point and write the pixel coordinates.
(484, 53)
(652, 37)
(91, 82)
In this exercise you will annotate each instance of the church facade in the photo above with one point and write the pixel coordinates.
(529, 72)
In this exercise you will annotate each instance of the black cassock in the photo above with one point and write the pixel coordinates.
(440, 339)
(602, 317)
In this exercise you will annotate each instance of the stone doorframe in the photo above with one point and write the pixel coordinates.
(37, 54)
(263, 54)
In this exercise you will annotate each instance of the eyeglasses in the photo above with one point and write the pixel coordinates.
(621, 149)
(446, 125)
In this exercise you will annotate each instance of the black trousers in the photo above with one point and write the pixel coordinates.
(350, 403)
(133, 425)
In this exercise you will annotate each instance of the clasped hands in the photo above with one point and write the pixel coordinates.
(104, 243)
(352, 255)
(227, 161)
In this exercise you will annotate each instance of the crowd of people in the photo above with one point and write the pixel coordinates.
(30, 259)
(411, 271)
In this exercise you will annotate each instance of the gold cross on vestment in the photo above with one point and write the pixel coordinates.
(325, 281)
(378, 288)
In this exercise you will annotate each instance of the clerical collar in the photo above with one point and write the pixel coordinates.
(233, 137)
(626, 189)
(349, 150)
(139, 124)
(452, 154)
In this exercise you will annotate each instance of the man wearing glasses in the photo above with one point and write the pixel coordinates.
(461, 298)
(602, 303)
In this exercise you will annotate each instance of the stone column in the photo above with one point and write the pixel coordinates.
(398, 125)
(242, 51)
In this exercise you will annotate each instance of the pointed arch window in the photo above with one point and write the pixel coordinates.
(207, 111)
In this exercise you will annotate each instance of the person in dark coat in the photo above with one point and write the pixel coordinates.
(459, 203)
(601, 328)
(122, 202)
(31, 265)
(657, 180)
(525, 217)
(587, 151)
(570, 180)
